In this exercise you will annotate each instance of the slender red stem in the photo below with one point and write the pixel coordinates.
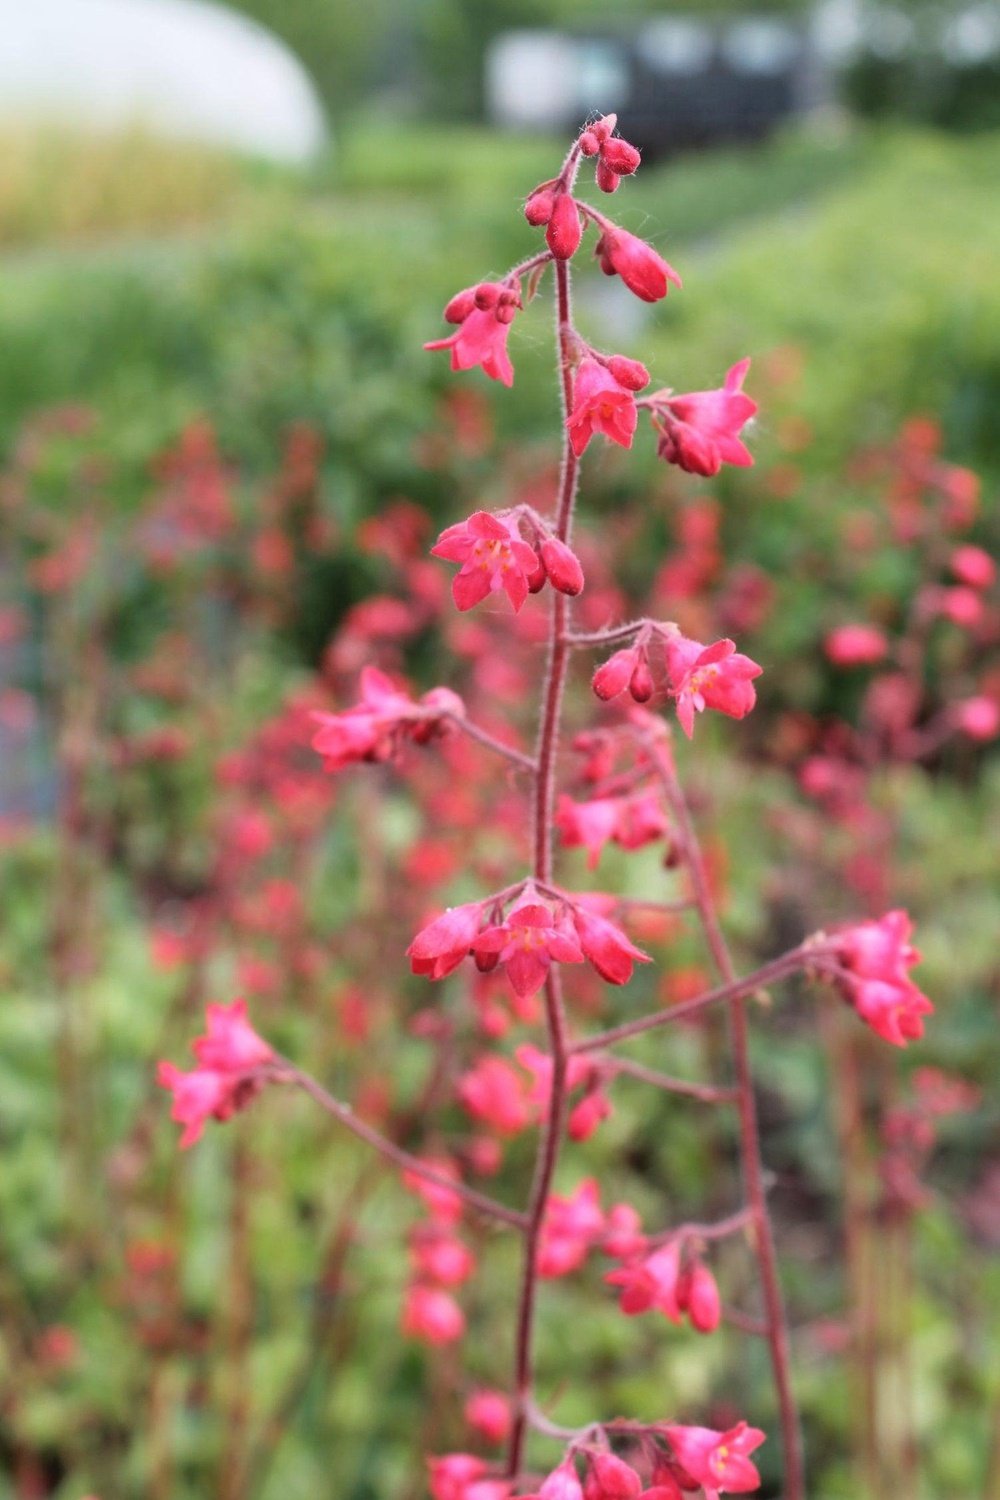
(483, 737)
(546, 757)
(285, 1072)
(753, 1168)
(803, 957)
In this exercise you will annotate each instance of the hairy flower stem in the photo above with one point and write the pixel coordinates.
(545, 758)
(753, 1169)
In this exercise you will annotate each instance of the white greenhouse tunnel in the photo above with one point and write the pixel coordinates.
(186, 69)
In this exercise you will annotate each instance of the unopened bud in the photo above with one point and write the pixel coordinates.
(460, 306)
(704, 1305)
(610, 1478)
(619, 156)
(603, 127)
(487, 294)
(606, 178)
(562, 566)
(539, 205)
(589, 143)
(537, 578)
(613, 676)
(564, 231)
(641, 682)
(631, 373)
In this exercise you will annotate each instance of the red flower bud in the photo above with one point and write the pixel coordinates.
(620, 156)
(641, 682)
(612, 676)
(704, 1306)
(562, 566)
(460, 306)
(606, 177)
(630, 373)
(589, 143)
(564, 231)
(610, 1478)
(537, 578)
(487, 294)
(539, 206)
(603, 127)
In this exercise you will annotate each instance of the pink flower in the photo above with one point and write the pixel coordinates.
(978, 717)
(373, 729)
(716, 676)
(701, 431)
(643, 271)
(973, 567)
(629, 822)
(432, 1316)
(493, 557)
(561, 1484)
(855, 645)
(481, 338)
(610, 1478)
(526, 944)
(232, 1045)
(441, 946)
(462, 1476)
(623, 1236)
(224, 1081)
(607, 947)
(589, 825)
(488, 1413)
(494, 1092)
(877, 956)
(600, 404)
(440, 1258)
(719, 1461)
(650, 1283)
(571, 1226)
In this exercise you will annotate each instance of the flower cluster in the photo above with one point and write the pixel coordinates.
(696, 676)
(230, 1057)
(875, 957)
(535, 932)
(494, 556)
(376, 727)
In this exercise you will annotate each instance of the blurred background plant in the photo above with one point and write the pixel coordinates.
(211, 385)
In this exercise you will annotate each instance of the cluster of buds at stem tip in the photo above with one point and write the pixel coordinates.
(494, 556)
(535, 933)
(696, 676)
